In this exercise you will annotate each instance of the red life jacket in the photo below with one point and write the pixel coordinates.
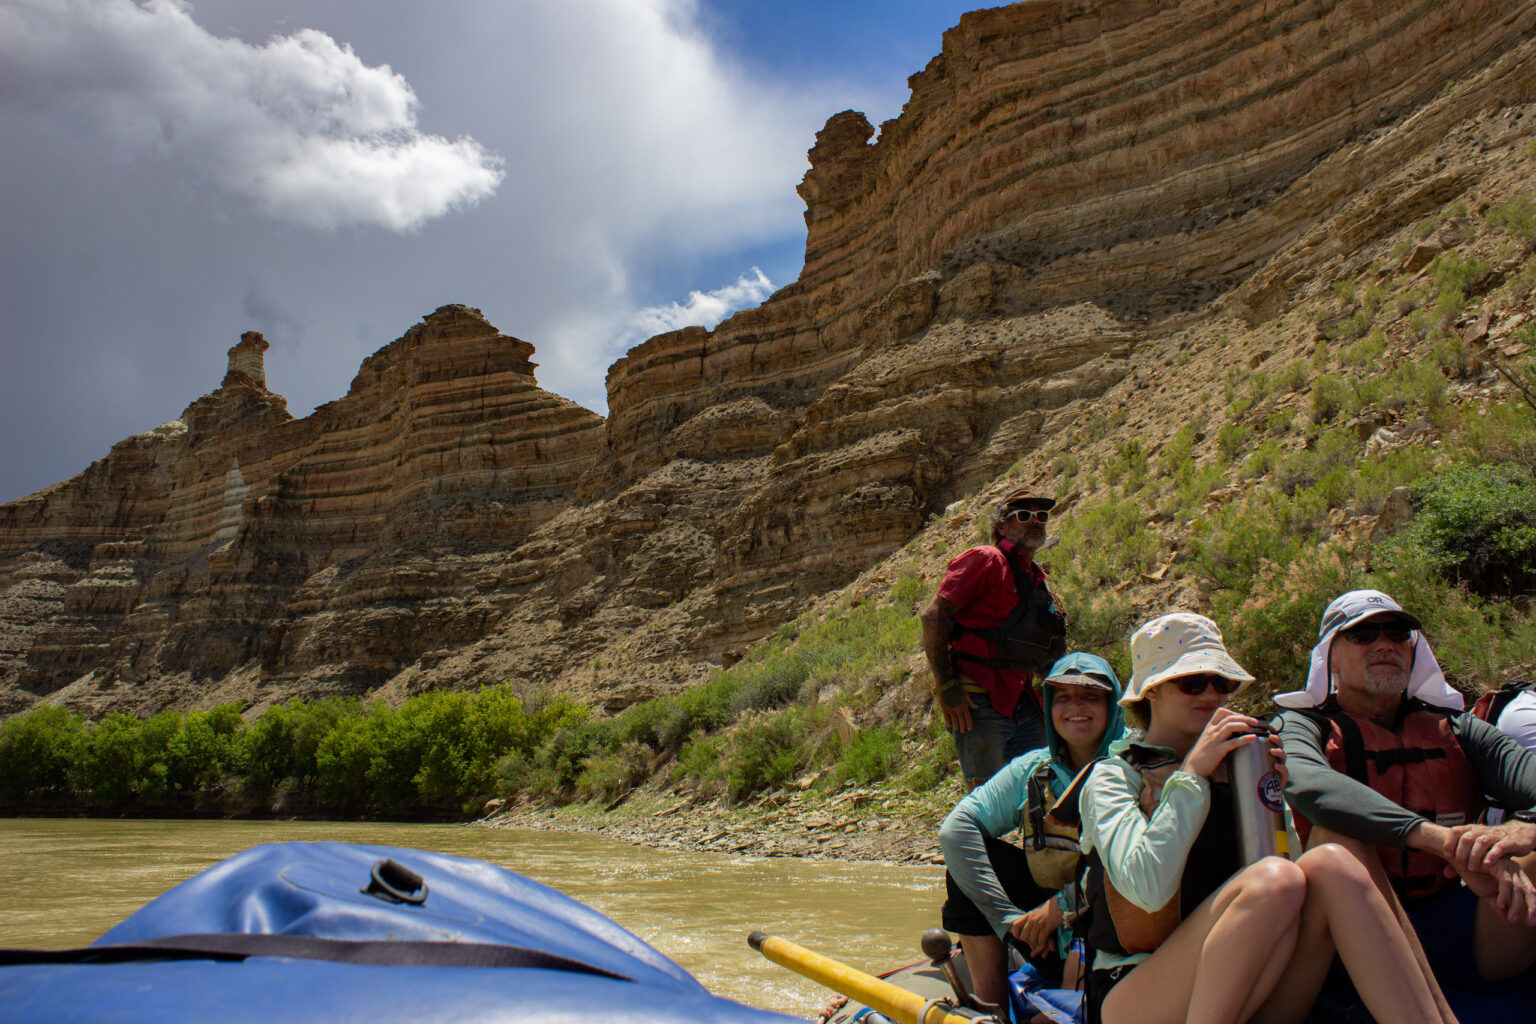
(1490, 706)
(1420, 767)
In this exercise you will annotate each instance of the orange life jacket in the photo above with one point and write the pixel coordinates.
(1419, 767)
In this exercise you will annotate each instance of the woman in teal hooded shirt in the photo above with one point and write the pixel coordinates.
(996, 890)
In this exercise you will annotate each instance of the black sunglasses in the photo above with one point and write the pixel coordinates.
(1194, 686)
(1024, 515)
(1367, 632)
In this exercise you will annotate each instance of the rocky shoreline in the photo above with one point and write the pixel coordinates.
(856, 825)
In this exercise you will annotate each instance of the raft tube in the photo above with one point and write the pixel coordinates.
(341, 932)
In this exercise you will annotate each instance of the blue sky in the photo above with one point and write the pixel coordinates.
(330, 171)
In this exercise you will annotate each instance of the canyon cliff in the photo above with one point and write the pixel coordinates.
(1069, 181)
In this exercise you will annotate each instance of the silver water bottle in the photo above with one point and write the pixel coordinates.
(1256, 794)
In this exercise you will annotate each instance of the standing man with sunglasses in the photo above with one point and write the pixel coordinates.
(992, 627)
(1383, 760)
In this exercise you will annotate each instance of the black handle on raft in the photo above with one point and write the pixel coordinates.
(396, 883)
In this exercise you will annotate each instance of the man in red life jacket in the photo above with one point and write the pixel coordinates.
(991, 628)
(1380, 754)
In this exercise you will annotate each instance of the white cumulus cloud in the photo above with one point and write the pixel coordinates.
(299, 124)
(704, 309)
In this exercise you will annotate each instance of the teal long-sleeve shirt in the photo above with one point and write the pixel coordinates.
(993, 809)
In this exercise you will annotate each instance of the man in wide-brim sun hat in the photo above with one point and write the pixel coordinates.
(1384, 761)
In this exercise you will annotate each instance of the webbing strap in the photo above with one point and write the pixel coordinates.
(1354, 748)
(240, 946)
(1356, 756)
(1502, 698)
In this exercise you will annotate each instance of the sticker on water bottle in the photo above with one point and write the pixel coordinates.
(1270, 790)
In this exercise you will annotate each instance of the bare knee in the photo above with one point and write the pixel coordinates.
(1322, 836)
(1332, 865)
(1276, 881)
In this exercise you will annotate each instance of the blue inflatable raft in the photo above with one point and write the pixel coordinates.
(339, 932)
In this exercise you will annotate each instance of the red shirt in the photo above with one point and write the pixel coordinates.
(980, 585)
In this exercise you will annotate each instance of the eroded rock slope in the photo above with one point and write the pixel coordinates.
(1068, 180)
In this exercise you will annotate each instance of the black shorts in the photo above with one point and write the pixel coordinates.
(1097, 989)
(963, 917)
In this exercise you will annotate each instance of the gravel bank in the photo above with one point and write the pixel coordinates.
(862, 825)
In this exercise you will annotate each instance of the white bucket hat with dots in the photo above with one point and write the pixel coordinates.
(1178, 644)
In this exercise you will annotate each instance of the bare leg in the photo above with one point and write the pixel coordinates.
(1223, 960)
(1072, 971)
(1502, 949)
(988, 962)
(1345, 911)
(1366, 856)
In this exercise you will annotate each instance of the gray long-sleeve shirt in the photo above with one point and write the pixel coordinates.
(1333, 800)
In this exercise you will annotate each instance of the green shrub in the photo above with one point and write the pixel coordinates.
(106, 773)
(1330, 395)
(702, 758)
(607, 775)
(1476, 524)
(1273, 626)
(1129, 464)
(201, 749)
(870, 756)
(1099, 622)
(1448, 306)
(1453, 272)
(1109, 541)
(1516, 215)
(1294, 376)
(1367, 351)
(1234, 439)
(37, 750)
(1262, 460)
(1065, 465)
(766, 750)
(280, 745)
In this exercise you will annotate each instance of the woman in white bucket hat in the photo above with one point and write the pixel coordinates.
(1180, 928)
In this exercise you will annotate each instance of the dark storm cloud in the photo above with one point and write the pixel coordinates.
(267, 314)
(151, 214)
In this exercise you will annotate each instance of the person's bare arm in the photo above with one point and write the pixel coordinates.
(955, 704)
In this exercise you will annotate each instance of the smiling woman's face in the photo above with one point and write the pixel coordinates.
(1079, 714)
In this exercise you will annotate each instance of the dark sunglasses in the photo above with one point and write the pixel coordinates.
(1367, 632)
(1194, 686)
(1024, 515)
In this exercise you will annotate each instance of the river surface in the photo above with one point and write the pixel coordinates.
(70, 880)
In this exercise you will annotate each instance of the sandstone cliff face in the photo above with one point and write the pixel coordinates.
(1068, 180)
(292, 554)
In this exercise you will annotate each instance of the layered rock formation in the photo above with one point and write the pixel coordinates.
(1067, 179)
(238, 541)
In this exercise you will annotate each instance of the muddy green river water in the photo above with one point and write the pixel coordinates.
(71, 880)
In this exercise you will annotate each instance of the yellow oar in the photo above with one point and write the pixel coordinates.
(893, 1001)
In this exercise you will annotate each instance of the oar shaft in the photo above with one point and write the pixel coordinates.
(892, 1000)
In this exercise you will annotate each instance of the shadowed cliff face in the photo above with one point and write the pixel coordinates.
(1067, 180)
